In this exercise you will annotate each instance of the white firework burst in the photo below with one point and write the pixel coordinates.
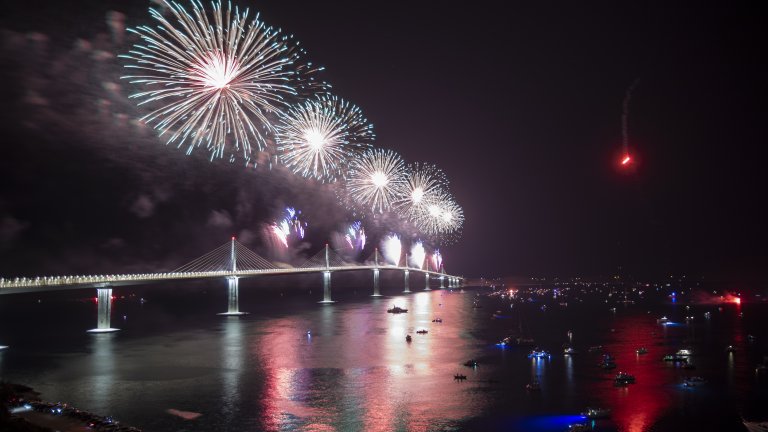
(423, 183)
(375, 179)
(439, 215)
(318, 137)
(215, 81)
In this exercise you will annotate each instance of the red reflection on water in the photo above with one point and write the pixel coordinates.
(636, 407)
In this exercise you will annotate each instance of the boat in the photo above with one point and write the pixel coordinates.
(422, 331)
(459, 377)
(537, 353)
(662, 320)
(505, 342)
(730, 349)
(533, 386)
(755, 426)
(608, 362)
(408, 338)
(674, 358)
(596, 348)
(569, 351)
(624, 378)
(694, 381)
(642, 350)
(437, 320)
(396, 310)
(596, 413)
(2, 347)
(579, 427)
(684, 353)
(707, 315)
(471, 363)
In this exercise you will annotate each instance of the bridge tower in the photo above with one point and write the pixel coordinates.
(233, 285)
(376, 292)
(327, 278)
(405, 281)
(104, 307)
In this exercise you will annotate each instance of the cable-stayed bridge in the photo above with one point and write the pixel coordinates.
(231, 261)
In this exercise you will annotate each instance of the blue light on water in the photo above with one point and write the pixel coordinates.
(672, 324)
(549, 422)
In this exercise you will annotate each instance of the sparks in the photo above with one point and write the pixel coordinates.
(317, 138)
(213, 80)
(376, 178)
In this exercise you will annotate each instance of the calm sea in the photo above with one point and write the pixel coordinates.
(293, 364)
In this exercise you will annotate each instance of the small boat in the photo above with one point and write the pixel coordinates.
(624, 378)
(408, 338)
(596, 348)
(505, 342)
(750, 338)
(396, 310)
(597, 413)
(579, 427)
(459, 377)
(642, 350)
(471, 363)
(569, 351)
(755, 426)
(730, 349)
(707, 315)
(674, 358)
(662, 320)
(694, 381)
(533, 386)
(422, 331)
(437, 320)
(608, 362)
(684, 353)
(537, 353)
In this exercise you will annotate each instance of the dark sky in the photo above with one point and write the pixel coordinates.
(519, 103)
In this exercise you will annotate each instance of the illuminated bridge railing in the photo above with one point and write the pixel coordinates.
(94, 280)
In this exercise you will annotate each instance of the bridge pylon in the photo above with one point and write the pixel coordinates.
(376, 271)
(406, 288)
(233, 285)
(327, 278)
(426, 282)
(104, 307)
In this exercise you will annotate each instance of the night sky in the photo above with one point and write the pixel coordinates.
(519, 103)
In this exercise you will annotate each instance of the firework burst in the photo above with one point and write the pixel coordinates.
(215, 80)
(375, 179)
(392, 249)
(355, 236)
(317, 138)
(289, 225)
(439, 215)
(418, 254)
(423, 183)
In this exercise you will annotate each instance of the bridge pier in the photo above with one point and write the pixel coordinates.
(327, 287)
(426, 282)
(442, 282)
(376, 292)
(405, 281)
(104, 307)
(233, 297)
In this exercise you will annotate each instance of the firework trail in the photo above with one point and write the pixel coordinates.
(289, 225)
(392, 248)
(437, 260)
(214, 80)
(423, 184)
(417, 255)
(355, 236)
(625, 121)
(317, 138)
(375, 179)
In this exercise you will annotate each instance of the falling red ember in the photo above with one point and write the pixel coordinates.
(627, 159)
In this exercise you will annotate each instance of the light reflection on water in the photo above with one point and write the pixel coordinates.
(355, 371)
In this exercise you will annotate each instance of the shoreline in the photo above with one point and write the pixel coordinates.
(22, 410)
